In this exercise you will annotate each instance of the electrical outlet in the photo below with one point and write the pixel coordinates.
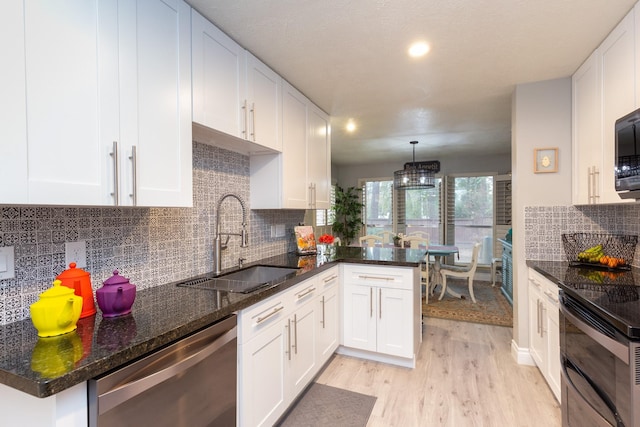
(76, 252)
(7, 270)
(280, 230)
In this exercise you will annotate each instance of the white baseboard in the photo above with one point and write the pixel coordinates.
(522, 355)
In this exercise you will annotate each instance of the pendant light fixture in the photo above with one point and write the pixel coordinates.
(416, 175)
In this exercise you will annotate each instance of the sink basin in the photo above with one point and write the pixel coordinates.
(259, 274)
(244, 281)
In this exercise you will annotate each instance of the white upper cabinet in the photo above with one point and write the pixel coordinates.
(604, 90)
(63, 66)
(319, 159)
(13, 119)
(233, 92)
(155, 102)
(294, 147)
(264, 90)
(101, 78)
(218, 79)
(299, 177)
(587, 130)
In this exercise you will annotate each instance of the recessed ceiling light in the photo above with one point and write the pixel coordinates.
(351, 126)
(418, 49)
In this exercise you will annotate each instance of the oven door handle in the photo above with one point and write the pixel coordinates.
(568, 364)
(620, 350)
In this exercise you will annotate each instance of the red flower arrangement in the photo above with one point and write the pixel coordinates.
(326, 239)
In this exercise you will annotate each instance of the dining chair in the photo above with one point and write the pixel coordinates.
(387, 237)
(370, 240)
(466, 272)
(420, 234)
(414, 242)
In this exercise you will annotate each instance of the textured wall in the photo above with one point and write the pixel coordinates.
(544, 226)
(150, 246)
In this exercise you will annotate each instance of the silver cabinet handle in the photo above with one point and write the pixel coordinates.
(288, 351)
(295, 333)
(116, 174)
(129, 390)
(323, 318)
(246, 115)
(275, 311)
(134, 173)
(329, 279)
(375, 278)
(253, 121)
(307, 292)
(543, 310)
(370, 302)
(596, 186)
(589, 185)
(380, 303)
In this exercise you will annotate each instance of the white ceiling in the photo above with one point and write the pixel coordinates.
(349, 57)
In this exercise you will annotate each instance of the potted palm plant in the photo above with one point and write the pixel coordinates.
(348, 210)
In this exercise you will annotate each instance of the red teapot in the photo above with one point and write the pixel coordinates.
(80, 281)
(116, 296)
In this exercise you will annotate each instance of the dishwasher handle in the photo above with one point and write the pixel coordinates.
(115, 397)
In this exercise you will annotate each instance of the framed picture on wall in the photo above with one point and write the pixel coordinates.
(545, 160)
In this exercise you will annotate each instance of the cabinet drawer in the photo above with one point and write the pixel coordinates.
(544, 285)
(388, 277)
(328, 279)
(261, 316)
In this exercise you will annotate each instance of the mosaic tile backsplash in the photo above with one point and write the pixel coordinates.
(150, 246)
(544, 226)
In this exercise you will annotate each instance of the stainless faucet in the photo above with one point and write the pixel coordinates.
(218, 246)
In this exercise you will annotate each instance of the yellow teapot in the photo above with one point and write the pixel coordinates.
(57, 311)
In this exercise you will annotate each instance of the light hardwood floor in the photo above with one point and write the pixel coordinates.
(465, 376)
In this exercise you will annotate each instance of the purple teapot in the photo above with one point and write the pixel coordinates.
(116, 296)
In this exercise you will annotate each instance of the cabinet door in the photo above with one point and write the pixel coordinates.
(264, 92)
(553, 345)
(618, 98)
(536, 325)
(64, 95)
(303, 361)
(587, 129)
(328, 323)
(395, 319)
(263, 391)
(294, 148)
(359, 321)
(319, 158)
(155, 54)
(218, 79)
(13, 119)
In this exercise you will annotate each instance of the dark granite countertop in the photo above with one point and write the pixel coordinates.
(613, 295)
(161, 315)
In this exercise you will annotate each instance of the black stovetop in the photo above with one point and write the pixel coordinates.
(613, 295)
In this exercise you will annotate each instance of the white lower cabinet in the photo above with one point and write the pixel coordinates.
(544, 329)
(381, 313)
(283, 343)
(328, 307)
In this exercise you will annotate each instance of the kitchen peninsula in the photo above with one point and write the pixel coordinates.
(39, 380)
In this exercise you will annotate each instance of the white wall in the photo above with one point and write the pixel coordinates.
(541, 118)
(347, 176)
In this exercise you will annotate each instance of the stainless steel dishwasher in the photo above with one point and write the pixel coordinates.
(189, 383)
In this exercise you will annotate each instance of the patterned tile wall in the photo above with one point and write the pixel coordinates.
(150, 246)
(544, 226)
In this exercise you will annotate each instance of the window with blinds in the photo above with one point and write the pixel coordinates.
(325, 217)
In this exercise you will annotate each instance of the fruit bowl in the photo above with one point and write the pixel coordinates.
(600, 251)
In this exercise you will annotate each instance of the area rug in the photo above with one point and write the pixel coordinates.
(323, 405)
(491, 308)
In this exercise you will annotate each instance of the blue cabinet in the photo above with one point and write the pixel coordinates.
(507, 270)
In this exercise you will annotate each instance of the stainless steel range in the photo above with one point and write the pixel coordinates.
(600, 351)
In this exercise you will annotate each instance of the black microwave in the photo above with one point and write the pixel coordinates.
(627, 168)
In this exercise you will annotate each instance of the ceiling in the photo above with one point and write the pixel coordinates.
(350, 58)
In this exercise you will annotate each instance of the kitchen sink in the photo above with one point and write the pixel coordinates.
(245, 280)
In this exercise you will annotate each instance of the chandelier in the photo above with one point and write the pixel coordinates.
(416, 175)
